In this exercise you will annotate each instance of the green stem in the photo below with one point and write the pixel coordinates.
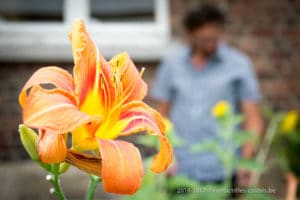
(266, 143)
(55, 182)
(94, 180)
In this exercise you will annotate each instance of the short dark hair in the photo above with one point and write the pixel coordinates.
(202, 15)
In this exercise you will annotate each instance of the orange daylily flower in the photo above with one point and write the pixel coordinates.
(102, 101)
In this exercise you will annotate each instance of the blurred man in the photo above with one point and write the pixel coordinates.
(192, 79)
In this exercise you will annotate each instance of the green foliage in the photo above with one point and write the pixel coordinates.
(64, 167)
(180, 187)
(174, 139)
(153, 186)
(147, 140)
(257, 195)
(250, 164)
(152, 141)
(208, 145)
(287, 144)
(181, 181)
(183, 187)
(233, 140)
(241, 137)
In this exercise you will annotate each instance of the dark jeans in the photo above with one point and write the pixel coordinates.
(233, 185)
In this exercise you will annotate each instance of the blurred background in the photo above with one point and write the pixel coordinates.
(34, 33)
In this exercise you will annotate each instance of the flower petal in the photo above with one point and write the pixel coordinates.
(51, 147)
(92, 74)
(133, 86)
(56, 76)
(141, 117)
(83, 138)
(164, 158)
(53, 110)
(85, 59)
(88, 163)
(122, 167)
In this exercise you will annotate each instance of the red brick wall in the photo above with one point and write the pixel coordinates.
(267, 30)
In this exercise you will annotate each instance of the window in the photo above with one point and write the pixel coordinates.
(127, 10)
(34, 30)
(31, 10)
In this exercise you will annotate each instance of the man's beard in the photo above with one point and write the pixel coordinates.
(204, 51)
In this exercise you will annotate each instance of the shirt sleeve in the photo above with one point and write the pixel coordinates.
(247, 84)
(162, 87)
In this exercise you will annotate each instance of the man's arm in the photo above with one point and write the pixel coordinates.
(253, 123)
(162, 90)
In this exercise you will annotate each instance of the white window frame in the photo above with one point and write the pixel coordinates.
(48, 41)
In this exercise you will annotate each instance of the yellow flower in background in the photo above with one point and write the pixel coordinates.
(289, 121)
(221, 109)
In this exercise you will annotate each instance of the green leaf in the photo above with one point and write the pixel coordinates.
(147, 140)
(174, 139)
(258, 194)
(149, 189)
(214, 191)
(237, 119)
(147, 192)
(250, 164)
(29, 141)
(209, 145)
(267, 112)
(152, 141)
(293, 137)
(181, 181)
(241, 137)
(282, 160)
(63, 167)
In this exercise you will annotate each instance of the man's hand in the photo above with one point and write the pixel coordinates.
(248, 150)
(244, 178)
(253, 123)
(291, 187)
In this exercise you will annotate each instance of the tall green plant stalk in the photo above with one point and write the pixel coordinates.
(266, 143)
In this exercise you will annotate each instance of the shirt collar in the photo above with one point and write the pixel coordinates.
(217, 56)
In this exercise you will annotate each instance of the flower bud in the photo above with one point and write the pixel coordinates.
(63, 167)
(29, 141)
